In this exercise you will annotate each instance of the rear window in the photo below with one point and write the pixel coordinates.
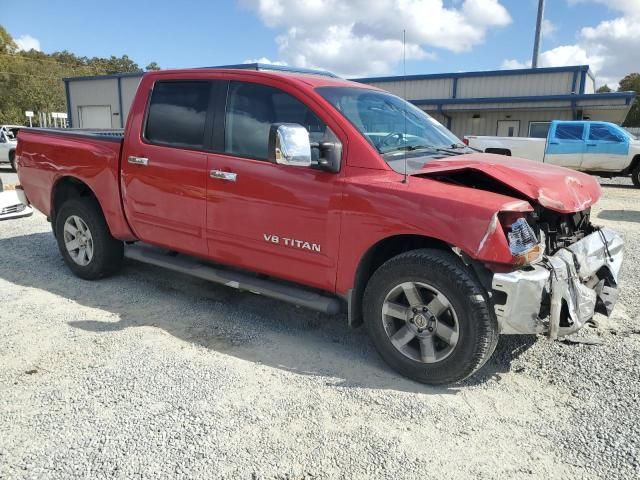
(177, 113)
(539, 129)
(570, 131)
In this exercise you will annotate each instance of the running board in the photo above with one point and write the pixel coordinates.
(241, 281)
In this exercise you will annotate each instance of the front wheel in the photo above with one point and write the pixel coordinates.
(429, 317)
(635, 176)
(84, 239)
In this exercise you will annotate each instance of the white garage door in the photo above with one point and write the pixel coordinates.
(95, 116)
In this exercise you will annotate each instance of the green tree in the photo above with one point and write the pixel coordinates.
(631, 83)
(604, 89)
(33, 80)
(152, 67)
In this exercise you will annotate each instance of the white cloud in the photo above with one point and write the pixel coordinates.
(364, 37)
(514, 65)
(548, 28)
(610, 47)
(264, 60)
(27, 42)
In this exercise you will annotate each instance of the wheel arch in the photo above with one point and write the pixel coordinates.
(635, 162)
(65, 188)
(374, 257)
(498, 151)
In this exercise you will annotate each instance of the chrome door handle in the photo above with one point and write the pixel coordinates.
(138, 160)
(220, 175)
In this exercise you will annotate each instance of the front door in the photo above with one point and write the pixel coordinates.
(508, 128)
(275, 219)
(606, 150)
(164, 169)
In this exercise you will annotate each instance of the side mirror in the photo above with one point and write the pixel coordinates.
(289, 145)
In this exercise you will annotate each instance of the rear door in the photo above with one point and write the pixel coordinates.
(606, 150)
(275, 219)
(164, 168)
(566, 144)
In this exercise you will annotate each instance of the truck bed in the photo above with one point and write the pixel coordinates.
(46, 156)
(522, 147)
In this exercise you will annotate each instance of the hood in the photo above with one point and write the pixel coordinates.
(555, 188)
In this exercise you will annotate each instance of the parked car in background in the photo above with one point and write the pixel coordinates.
(13, 204)
(598, 148)
(331, 195)
(8, 143)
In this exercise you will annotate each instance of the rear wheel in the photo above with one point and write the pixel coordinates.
(12, 159)
(635, 175)
(429, 318)
(84, 239)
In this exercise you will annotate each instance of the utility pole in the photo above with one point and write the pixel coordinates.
(536, 43)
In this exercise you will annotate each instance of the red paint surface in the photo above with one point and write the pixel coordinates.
(174, 203)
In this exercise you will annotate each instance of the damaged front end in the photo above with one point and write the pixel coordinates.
(559, 293)
(548, 269)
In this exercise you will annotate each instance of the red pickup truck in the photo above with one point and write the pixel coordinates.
(335, 196)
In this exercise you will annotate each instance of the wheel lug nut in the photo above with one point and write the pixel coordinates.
(424, 309)
(415, 310)
(430, 329)
(411, 320)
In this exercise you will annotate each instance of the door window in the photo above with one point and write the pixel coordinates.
(603, 133)
(252, 108)
(539, 129)
(569, 131)
(177, 113)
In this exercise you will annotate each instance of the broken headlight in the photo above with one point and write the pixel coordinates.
(523, 243)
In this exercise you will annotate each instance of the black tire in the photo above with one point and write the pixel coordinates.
(477, 327)
(635, 176)
(12, 160)
(107, 251)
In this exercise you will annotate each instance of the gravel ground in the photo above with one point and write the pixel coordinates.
(150, 374)
(7, 175)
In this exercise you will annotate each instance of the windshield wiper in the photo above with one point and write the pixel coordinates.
(411, 148)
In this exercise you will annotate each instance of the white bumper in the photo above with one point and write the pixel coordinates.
(14, 204)
(576, 282)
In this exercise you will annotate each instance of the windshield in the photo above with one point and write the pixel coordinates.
(393, 126)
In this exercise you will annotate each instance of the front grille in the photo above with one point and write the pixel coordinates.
(13, 209)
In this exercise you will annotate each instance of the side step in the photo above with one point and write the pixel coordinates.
(241, 281)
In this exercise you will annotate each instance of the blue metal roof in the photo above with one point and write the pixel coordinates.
(485, 73)
(628, 96)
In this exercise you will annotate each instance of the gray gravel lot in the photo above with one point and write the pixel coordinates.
(7, 175)
(151, 374)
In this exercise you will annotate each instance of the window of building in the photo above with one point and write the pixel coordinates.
(603, 133)
(569, 131)
(253, 108)
(539, 129)
(177, 113)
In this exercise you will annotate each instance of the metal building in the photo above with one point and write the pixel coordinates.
(501, 102)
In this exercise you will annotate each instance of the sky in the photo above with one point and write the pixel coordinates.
(356, 38)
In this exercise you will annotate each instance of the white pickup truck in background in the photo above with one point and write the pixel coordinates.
(599, 148)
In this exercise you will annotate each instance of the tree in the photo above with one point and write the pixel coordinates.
(33, 80)
(7, 45)
(152, 66)
(604, 89)
(631, 83)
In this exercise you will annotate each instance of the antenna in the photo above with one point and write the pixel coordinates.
(404, 82)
